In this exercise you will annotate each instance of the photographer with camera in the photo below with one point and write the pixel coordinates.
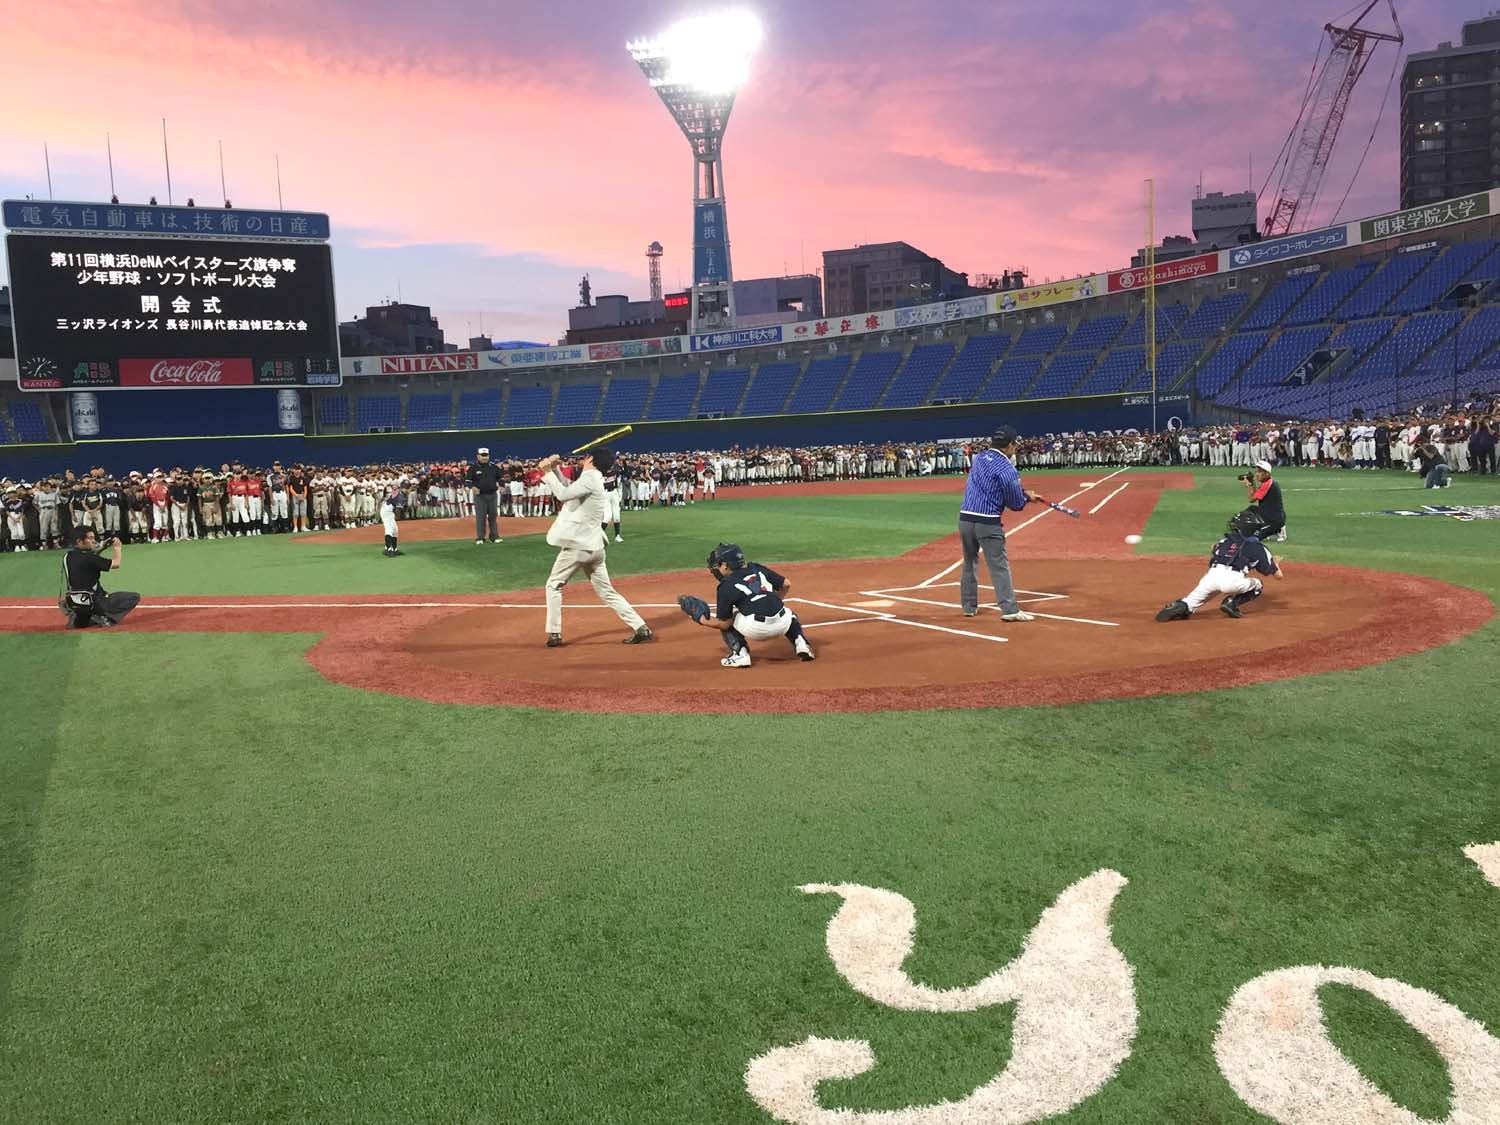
(84, 601)
(1265, 498)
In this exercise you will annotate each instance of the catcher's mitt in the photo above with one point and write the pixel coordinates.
(696, 608)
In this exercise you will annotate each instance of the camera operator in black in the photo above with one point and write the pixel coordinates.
(750, 605)
(84, 601)
(1265, 498)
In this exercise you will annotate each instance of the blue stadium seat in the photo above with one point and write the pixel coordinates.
(1274, 305)
(1115, 371)
(28, 421)
(821, 379)
(625, 401)
(1213, 316)
(674, 397)
(1445, 271)
(1330, 292)
(1012, 377)
(479, 410)
(380, 412)
(1289, 350)
(768, 391)
(1478, 337)
(915, 379)
(971, 367)
(722, 391)
(1225, 363)
(1168, 318)
(1062, 374)
(1100, 332)
(1171, 362)
(872, 371)
(1354, 340)
(1404, 347)
(577, 404)
(1373, 296)
(333, 410)
(1040, 340)
(528, 406)
(429, 412)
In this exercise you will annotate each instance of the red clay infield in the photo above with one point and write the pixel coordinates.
(889, 634)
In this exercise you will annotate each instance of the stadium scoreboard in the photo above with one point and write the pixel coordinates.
(103, 311)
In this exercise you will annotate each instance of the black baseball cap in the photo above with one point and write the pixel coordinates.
(1004, 436)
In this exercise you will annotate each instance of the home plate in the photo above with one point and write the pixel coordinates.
(879, 603)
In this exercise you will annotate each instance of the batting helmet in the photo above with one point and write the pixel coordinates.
(1248, 522)
(726, 554)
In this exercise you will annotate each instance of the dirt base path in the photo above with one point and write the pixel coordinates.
(889, 634)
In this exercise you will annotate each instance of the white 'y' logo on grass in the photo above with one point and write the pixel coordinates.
(1075, 1011)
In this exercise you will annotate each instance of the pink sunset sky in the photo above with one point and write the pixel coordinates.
(481, 157)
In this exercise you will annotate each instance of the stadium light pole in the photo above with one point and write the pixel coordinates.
(696, 67)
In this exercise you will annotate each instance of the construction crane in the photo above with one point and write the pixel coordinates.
(1305, 155)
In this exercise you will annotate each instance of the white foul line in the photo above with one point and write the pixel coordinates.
(843, 621)
(1034, 613)
(343, 605)
(1027, 523)
(1108, 498)
(903, 621)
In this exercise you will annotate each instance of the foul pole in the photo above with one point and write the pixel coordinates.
(1151, 293)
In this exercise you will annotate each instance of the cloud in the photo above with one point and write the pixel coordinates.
(992, 134)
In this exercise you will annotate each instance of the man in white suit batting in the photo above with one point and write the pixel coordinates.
(580, 542)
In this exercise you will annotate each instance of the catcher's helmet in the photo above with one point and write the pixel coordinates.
(727, 554)
(1248, 522)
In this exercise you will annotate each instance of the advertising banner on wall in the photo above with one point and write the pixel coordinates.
(943, 310)
(710, 243)
(1051, 293)
(288, 411)
(1293, 246)
(203, 222)
(84, 406)
(1123, 281)
(738, 338)
(438, 361)
(1415, 219)
(635, 349)
(537, 357)
(840, 326)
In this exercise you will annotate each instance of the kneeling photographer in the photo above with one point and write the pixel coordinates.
(1265, 498)
(84, 601)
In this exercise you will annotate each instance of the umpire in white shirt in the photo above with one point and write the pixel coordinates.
(577, 534)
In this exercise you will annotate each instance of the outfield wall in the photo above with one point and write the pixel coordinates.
(928, 423)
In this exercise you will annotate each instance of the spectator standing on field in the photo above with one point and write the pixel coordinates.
(484, 477)
(994, 485)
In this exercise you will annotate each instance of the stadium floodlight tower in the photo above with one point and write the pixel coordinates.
(696, 67)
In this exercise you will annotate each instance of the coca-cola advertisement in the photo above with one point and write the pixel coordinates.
(111, 312)
(186, 373)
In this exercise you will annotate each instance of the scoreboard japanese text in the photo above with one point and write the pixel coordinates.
(102, 311)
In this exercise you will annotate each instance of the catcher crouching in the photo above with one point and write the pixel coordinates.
(749, 606)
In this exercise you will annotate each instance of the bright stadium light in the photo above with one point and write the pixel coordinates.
(696, 67)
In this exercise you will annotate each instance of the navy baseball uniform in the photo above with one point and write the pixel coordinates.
(1233, 565)
(749, 596)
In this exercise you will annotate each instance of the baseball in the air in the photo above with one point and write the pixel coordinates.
(1132, 539)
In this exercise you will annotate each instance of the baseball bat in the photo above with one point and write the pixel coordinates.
(621, 432)
(1065, 511)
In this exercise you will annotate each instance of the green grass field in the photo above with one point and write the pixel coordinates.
(233, 892)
